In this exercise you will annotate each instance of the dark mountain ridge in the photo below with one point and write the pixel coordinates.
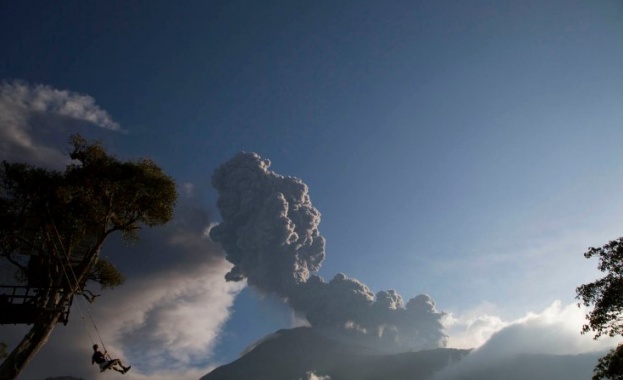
(291, 354)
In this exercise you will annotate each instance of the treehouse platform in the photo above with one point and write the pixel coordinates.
(24, 304)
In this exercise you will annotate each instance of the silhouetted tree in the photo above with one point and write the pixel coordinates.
(606, 294)
(46, 216)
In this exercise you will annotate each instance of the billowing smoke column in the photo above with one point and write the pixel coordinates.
(269, 228)
(270, 233)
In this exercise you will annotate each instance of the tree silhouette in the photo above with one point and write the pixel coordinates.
(606, 294)
(53, 222)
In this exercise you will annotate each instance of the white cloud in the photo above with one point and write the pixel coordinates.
(35, 118)
(555, 330)
(42, 98)
(165, 325)
(172, 320)
(473, 330)
(313, 376)
(165, 320)
(173, 315)
(165, 328)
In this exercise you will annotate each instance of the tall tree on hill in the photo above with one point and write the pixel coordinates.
(606, 318)
(53, 225)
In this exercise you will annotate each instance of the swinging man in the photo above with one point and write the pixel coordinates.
(105, 362)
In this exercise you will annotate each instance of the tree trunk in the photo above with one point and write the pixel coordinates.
(40, 332)
(38, 335)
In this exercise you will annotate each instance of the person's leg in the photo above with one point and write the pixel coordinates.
(109, 364)
(123, 365)
(113, 364)
(117, 362)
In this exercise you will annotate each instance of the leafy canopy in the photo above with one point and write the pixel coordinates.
(49, 213)
(606, 294)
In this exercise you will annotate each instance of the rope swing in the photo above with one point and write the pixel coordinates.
(72, 289)
(104, 360)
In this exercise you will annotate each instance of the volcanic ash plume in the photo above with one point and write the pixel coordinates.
(269, 228)
(270, 234)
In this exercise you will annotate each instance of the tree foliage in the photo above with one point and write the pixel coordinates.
(610, 366)
(52, 222)
(606, 295)
(49, 214)
(106, 274)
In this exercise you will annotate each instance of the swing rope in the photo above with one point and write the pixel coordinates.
(73, 291)
(84, 321)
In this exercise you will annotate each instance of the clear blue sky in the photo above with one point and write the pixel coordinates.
(469, 150)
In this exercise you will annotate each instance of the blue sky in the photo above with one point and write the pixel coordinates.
(467, 150)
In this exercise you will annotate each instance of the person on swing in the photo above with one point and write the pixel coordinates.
(106, 363)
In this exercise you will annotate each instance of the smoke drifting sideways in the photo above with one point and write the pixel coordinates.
(270, 234)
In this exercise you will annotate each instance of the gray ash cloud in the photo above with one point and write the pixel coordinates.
(270, 234)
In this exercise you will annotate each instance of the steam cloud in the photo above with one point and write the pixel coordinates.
(270, 234)
(35, 119)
